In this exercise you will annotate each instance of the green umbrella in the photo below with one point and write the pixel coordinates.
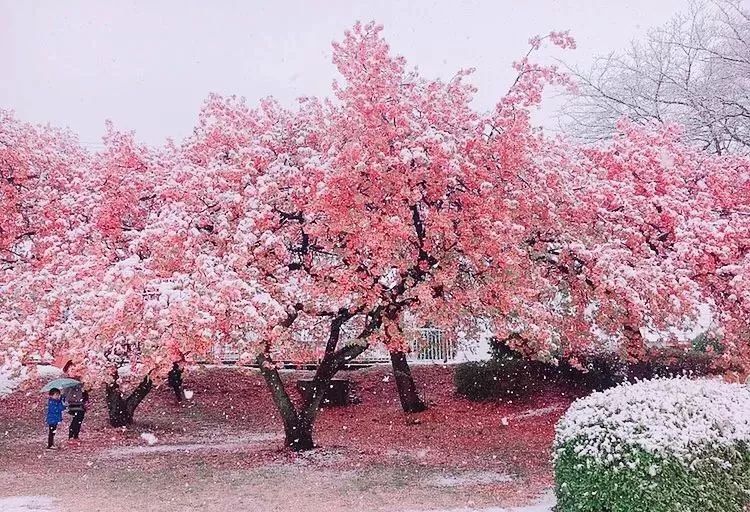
(60, 384)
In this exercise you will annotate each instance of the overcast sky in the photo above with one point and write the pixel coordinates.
(148, 65)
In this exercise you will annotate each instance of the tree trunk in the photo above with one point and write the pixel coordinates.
(299, 438)
(635, 346)
(407, 389)
(298, 423)
(121, 408)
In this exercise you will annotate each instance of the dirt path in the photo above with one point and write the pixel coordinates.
(166, 485)
(48, 504)
(240, 472)
(28, 504)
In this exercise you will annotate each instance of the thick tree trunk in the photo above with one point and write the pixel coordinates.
(116, 406)
(289, 415)
(298, 423)
(635, 346)
(121, 408)
(407, 389)
(300, 437)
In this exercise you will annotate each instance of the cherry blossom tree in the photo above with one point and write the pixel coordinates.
(98, 291)
(646, 236)
(395, 212)
(345, 219)
(43, 183)
(162, 294)
(319, 231)
(46, 205)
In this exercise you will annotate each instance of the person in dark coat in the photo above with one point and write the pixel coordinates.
(55, 407)
(76, 398)
(174, 378)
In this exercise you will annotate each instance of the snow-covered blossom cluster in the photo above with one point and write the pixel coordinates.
(270, 228)
(675, 417)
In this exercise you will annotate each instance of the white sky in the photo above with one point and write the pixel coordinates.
(148, 65)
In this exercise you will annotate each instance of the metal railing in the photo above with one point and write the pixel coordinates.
(430, 344)
(425, 345)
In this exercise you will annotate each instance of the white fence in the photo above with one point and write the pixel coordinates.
(425, 345)
(430, 344)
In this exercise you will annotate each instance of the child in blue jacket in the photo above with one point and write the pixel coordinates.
(55, 408)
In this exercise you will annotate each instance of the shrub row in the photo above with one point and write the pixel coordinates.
(509, 376)
(666, 445)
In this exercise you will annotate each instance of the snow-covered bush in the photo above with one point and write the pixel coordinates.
(664, 445)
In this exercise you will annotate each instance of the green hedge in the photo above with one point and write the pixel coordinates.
(509, 376)
(719, 482)
(666, 445)
(504, 379)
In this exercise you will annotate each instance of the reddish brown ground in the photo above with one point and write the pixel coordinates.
(373, 457)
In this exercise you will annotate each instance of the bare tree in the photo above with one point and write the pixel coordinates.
(694, 71)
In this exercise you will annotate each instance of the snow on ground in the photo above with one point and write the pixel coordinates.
(28, 504)
(467, 478)
(226, 446)
(220, 433)
(545, 504)
(532, 413)
(150, 438)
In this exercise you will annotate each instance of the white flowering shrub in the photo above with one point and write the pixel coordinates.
(665, 445)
